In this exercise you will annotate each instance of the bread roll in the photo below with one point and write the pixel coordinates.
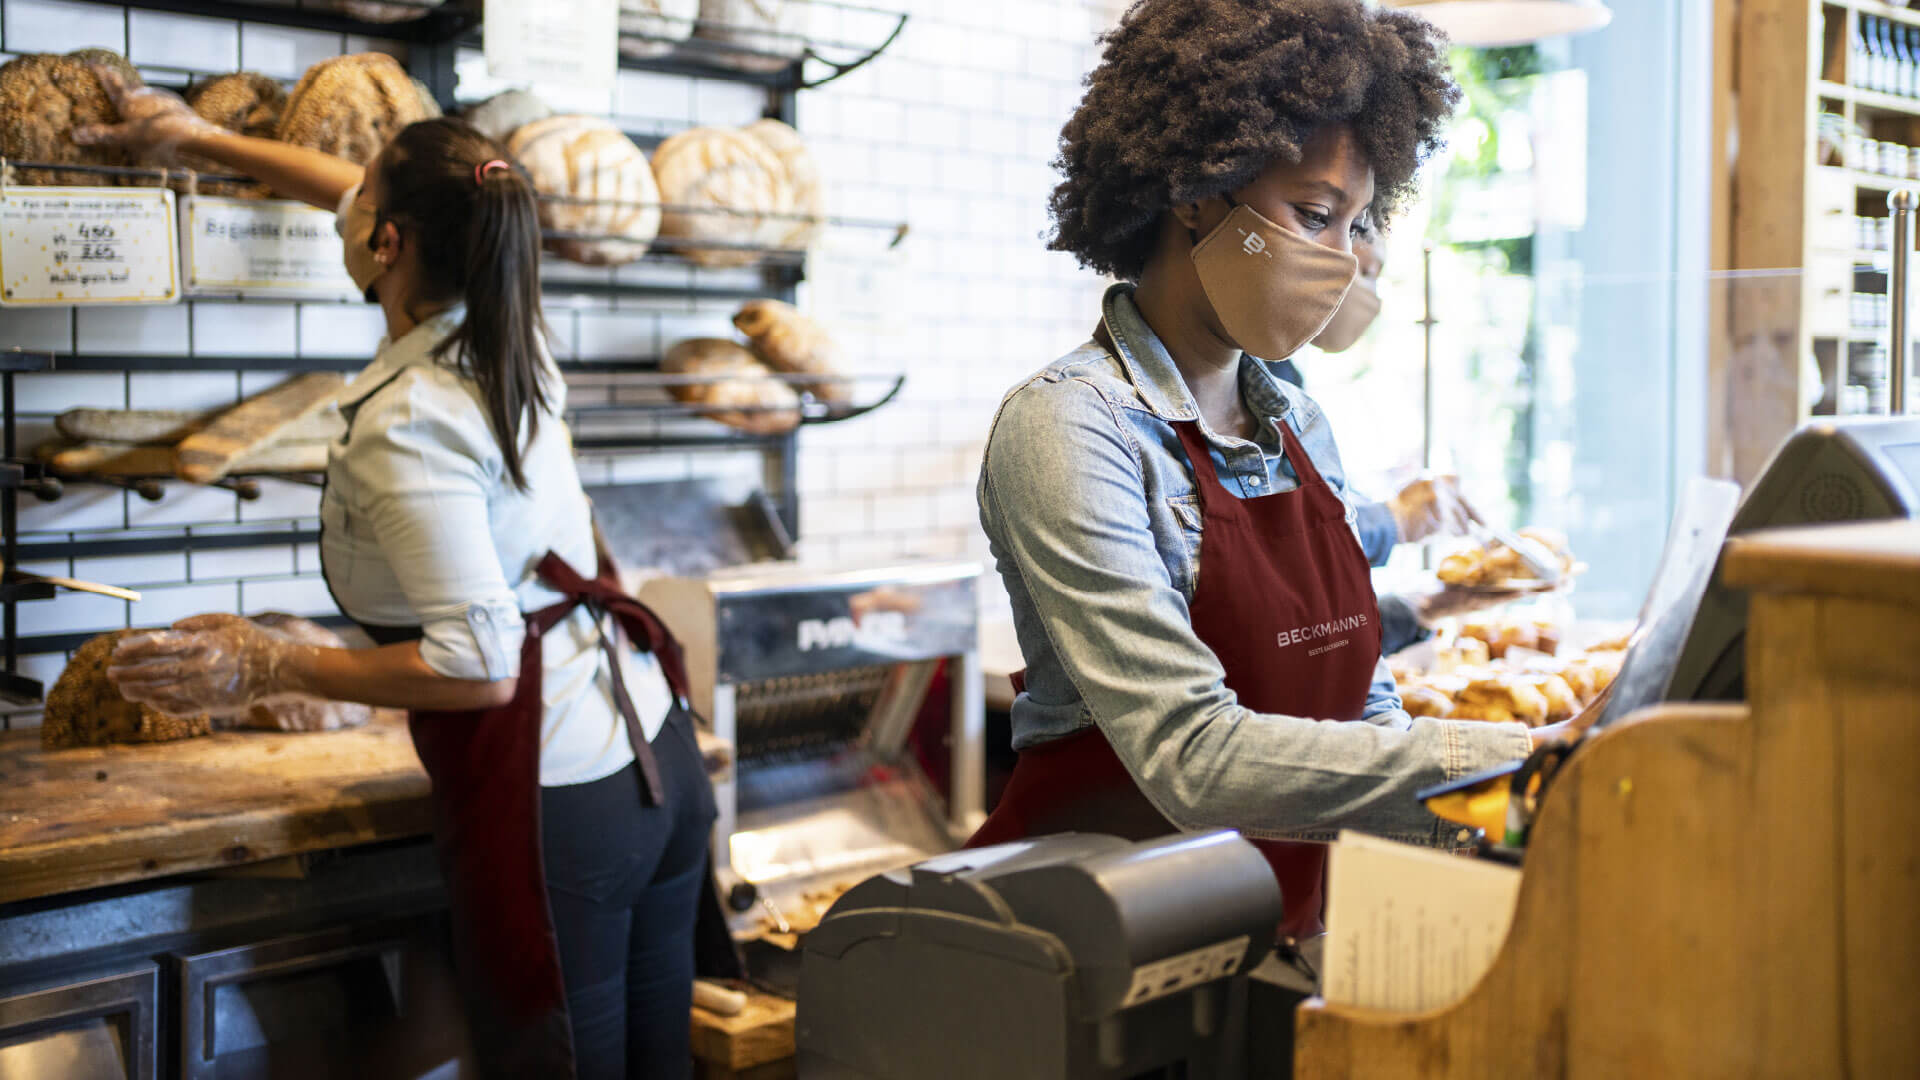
(650, 28)
(803, 177)
(789, 342)
(350, 106)
(247, 102)
(727, 179)
(739, 381)
(501, 115)
(302, 713)
(773, 29)
(85, 709)
(586, 158)
(1425, 701)
(43, 98)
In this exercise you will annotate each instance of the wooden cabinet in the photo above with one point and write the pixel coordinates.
(1716, 891)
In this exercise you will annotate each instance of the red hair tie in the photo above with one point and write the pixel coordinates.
(480, 171)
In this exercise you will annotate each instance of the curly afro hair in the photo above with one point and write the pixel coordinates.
(1193, 98)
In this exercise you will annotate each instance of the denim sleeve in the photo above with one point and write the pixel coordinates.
(1062, 500)
(1379, 532)
(1399, 626)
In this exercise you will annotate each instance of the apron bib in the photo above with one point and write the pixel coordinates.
(1285, 601)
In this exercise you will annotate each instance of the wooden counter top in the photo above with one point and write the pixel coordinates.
(81, 818)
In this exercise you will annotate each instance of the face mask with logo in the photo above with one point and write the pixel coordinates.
(1356, 313)
(1273, 289)
(355, 224)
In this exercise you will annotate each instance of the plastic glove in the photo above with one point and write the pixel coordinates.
(1432, 507)
(218, 664)
(153, 122)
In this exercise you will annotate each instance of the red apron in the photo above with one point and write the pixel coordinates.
(485, 767)
(1285, 600)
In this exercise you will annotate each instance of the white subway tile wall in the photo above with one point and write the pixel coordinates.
(950, 130)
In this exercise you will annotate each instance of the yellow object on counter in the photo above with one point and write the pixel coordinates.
(1483, 807)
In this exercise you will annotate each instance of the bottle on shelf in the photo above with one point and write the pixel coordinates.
(1876, 54)
(1889, 60)
(1857, 59)
(1910, 65)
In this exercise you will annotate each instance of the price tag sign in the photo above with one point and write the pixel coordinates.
(553, 42)
(86, 245)
(261, 247)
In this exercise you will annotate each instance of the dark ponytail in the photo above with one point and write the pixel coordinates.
(472, 209)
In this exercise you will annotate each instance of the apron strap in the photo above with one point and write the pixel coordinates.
(1304, 470)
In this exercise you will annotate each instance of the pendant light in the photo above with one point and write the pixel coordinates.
(1486, 23)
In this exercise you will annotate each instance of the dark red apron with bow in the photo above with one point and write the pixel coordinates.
(485, 767)
(1284, 599)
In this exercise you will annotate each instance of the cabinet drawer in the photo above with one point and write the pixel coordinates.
(88, 1029)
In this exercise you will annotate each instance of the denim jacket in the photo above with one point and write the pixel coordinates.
(1094, 522)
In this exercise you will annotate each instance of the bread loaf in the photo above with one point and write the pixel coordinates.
(85, 709)
(43, 98)
(302, 713)
(165, 427)
(738, 381)
(772, 32)
(245, 101)
(375, 12)
(124, 460)
(789, 342)
(212, 452)
(803, 178)
(601, 190)
(650, 28)
(725, 180)
(504, 113)
(350, 106)
(109, 59)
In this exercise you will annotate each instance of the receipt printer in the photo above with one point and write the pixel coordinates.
(1071, 956)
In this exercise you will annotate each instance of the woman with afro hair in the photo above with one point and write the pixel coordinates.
(1171, 520)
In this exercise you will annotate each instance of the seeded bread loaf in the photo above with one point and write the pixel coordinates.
(350, 106)
(43, 98)
(84, 708)
(245, 101)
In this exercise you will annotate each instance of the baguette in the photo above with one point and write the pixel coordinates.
(165, 427)
(120, 459)
(210, 453)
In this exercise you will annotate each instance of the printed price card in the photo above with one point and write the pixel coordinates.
(85, 245)
(552, 42)
(266, 247)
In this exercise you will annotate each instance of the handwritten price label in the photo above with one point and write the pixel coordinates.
(262, 247)
(77, 245)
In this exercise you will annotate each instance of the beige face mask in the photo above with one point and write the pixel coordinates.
(1273, 289)
(355, 224)
(1356, 313)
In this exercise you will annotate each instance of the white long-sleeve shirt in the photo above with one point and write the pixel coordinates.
(422, 526)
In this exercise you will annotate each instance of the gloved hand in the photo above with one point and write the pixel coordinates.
(1432, 506)
(153, 122)
(218, 664)
(1434, 605)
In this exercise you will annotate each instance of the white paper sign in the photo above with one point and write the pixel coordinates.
(87, 245)
(553, 42)
(267, 247)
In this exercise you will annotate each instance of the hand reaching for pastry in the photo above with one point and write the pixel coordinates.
(217, 664)
(153, 122)
(1432, 506)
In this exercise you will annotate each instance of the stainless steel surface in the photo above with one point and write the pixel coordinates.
(1901, 204)
(816, 678)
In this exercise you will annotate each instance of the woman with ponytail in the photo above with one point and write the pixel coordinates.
(571, 808)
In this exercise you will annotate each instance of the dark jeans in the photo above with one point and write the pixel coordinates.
(624, 880)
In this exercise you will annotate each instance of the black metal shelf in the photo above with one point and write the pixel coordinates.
(438, 23)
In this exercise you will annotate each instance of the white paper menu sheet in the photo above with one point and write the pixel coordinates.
(1411, 929)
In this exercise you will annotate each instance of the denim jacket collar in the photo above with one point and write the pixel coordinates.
(1155, 377)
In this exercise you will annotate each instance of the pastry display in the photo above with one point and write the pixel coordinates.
(650, 28)
(1495, 564)
(504, 113)
(717, 184)
(768, 33)
(1500, 633)
(43, 98)
(245, 101)
(302, 713)
(1486, 674)
(803, 178)
(789, 342)
(738, 381)
(85, 709)
(600, 193)
(350, 106)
